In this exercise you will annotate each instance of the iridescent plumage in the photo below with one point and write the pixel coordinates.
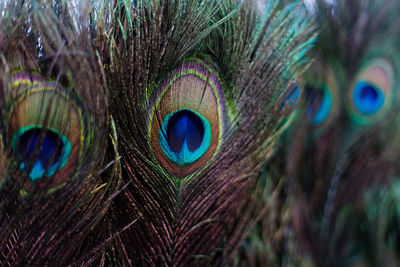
(196, 89)
(343, 140)
(54, 128)
(222, 67)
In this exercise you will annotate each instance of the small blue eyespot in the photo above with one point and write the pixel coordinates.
(184, 136)
(293, 98)
(367, 98)
(325, 107)
(51, 156)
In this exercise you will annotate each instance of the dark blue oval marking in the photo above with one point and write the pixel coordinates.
(293, 98)
(185, 125)
(50, 149)
(367, 98)
(319, 104)
(184, 136)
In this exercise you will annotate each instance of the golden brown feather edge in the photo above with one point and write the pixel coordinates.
(55, 183)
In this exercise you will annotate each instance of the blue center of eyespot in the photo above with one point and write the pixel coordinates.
(367, 98)
(184, 126)
(184, 136)
(293, 98)
(323, 96)
(41, 151)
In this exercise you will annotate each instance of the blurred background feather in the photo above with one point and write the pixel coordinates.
(341, 146)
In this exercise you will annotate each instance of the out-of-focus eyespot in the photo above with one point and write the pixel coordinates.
(322, 102)
(370, 94)
(292, 99)
(320, 105)
(47, 131)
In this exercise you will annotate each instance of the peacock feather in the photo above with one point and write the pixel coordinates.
(200, 92)
(196, 88)
(374, 228)
(343, 138)
(54, 131)
(330, 201)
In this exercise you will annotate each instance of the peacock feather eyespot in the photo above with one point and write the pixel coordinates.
(325, 106)
(53, 150)
(292, 98)
(186, 126)
(370, 93)
(287, 109)
(367, 98)
(322, 100)
(46, 125)
(320, 105)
